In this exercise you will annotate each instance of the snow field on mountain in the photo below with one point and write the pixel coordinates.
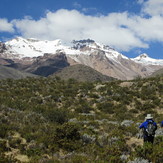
(33, 48)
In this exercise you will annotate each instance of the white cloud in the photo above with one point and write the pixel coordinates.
(5, 26)
(153, 7)
(31, 28)
(69, 25)
(119, 30)
(149, 29)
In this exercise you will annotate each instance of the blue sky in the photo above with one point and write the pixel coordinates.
(132, 27)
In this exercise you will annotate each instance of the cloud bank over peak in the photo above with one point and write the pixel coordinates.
(122, 31)
(113, 29)
(5, 26)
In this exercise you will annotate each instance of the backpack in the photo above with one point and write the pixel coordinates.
(150, 130)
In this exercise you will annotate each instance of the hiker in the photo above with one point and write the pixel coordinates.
(161, 124)
(149, 127)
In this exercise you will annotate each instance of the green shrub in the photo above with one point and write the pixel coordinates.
(56, 115)
(67, 137)
(3, 147)
(33, 152)
(153, 153)
(3, 130)
(14, 143)
(7, 159)
(106, 107)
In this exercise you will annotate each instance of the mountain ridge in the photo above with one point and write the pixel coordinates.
(52, 46)
(102, 58)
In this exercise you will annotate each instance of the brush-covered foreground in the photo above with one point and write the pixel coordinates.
(51, 120)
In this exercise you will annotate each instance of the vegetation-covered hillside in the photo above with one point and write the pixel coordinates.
(11, 73)
(51, 120)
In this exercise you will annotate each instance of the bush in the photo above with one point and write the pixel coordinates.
(106, 107)
(3, 130)
(7, 159)
(14, 143)
(153, 153)
(3, 147)
(67, 137)
(56, 115)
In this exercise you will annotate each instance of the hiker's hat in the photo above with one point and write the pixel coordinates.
(149, 116)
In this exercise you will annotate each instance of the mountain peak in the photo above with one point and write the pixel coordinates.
(145, 59)
(83, 41)
(144, 55)
(141, 57)
(79, 44)
(90, 44)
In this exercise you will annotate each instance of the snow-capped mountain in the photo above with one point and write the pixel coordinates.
(21, 48)
(32, 47)
(146, 60)
(39, 55)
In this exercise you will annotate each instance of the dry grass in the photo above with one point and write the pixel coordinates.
(16, 152)
(22, 158)
(133, 141)
(126, 84)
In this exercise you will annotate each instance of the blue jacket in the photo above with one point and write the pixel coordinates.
(144, 125)
(162, 124)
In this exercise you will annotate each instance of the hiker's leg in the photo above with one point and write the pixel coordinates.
(145, 139)
(151, 139)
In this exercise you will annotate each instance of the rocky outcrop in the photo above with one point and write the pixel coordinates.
(48, 64)
(2, 47)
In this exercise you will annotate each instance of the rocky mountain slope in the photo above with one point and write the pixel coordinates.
(31, 55)
(81, 73)
(158, 73)
(47, 64)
